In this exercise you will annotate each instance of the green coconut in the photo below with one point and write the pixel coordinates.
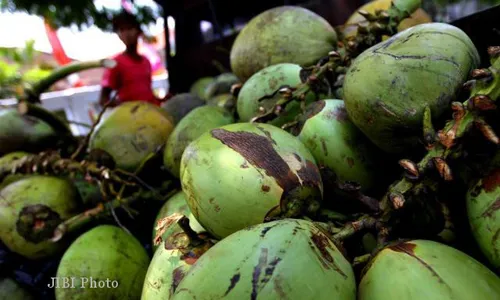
(171, 262)
(483, 208)
(337, 143)
(284, 34)
(200, 120)
(221, 85)
(199, 86)
(226, 101)
(100, 257)
(236, 175)
(11, 290)
(388, 86)
(422, 269)
(286, 259)
(30, 210)
(261, 91)
(180, 105)
(20, 132)
(176, 204)
(131, 132)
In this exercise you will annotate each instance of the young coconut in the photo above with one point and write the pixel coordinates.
(199, 86)
(105, 263)
(284, 34)
(285, 259)
(20, 132)
(131, 132)
(422, 269)
(30, 210)
(261, 92)
(423, 66)
(221, 85)
(337, 144)
(5, 164)
(173, 259)
(236, 175)
(176, 204)
(226, 101)
(483, 208)
(198, 121)
(180, 105)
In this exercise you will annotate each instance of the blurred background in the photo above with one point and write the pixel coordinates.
(186, 39)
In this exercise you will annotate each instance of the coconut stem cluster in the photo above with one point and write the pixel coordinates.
(382, 23)
(441, 145)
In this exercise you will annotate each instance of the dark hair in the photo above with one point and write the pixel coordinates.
(125, 18)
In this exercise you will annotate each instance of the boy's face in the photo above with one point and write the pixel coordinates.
(128, 34)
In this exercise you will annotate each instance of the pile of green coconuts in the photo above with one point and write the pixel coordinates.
(325, 165)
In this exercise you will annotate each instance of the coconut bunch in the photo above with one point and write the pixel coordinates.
(357, 162)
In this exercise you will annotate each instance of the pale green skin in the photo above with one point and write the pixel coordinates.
(57, 193)
(5, 162)
(265, 83)
(21, 132)
(226, 193)
(388, 86)
(194, 124)
(11, 290)
(284, 34)
(131, 132)
(159, 281)
(199, 86)
(483, 210)
(304, 271)
(103, 252)
(339, 145)
(396, 275)
(176, 204)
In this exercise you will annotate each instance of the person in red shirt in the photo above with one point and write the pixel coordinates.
(131, 77)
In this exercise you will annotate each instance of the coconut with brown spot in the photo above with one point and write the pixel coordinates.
(422, 269)
(197, 122)
(285, 259)
(283, 34)
(181, 104)
(99, 257)
(236, 175)
(173, 259)
(337, 144)
(483, 208)
(30, 210)
(388, 87)
(131, 132)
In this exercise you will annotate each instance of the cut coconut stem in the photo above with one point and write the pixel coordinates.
(445, 144)
(51, 163)
(194, 239)
(33, 93)
(102, 210)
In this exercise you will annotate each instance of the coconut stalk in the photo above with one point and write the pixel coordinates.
(382, 23)
(32, 93)
(441, 146)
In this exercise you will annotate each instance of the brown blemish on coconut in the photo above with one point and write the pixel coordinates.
(268, 159)
(339, 113)
(350, 161)
(265, 188)
(134, 109)
(267, 133)
(263, 272)
(320, 242)
(323, 145)
(492, 209)
(409, 249)
(492, 180)
(494, 240)
(177, 275)
(244, 165)
(234, 280)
